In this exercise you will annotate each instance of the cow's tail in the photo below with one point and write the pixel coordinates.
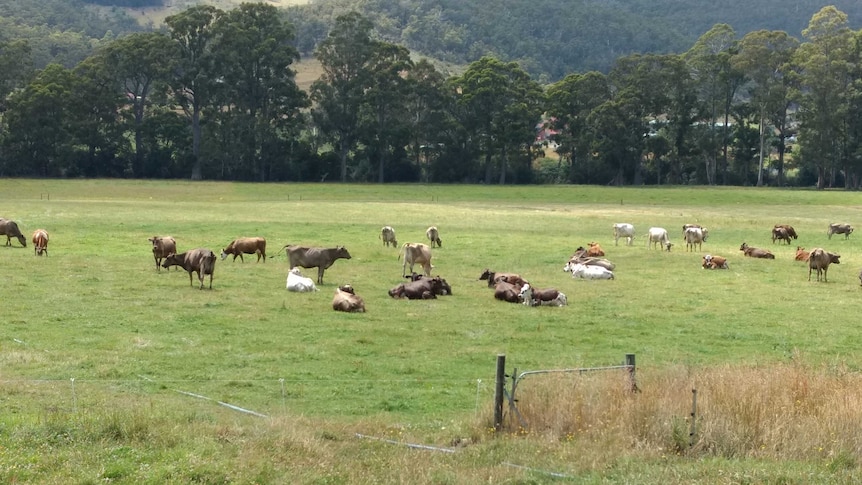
(401, 251)
(279, 251)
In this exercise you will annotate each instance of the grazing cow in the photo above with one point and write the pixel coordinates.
(433, 235)
(658, 236)
(421, 289)
(387, 234)
(346, 300)
(320, 258)
(626, 230)
(506, 291)
(594, 250)
(689, 226)
(535, 297)
(802, 254)
(10, 229)
(40, 242)
(845, 229)
(752, 252)
(780, 234)
(695, 236)
(416, 253)
(790, 230)
(820, 260)
(297, 282)
(163, 246)
(585, 272)
(201, 261)
(714, 262)
(495, 277)
(245, 245)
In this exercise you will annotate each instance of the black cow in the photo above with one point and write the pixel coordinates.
(200, 261)
(320, 258)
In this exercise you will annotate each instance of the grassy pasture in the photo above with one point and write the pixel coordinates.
(98, 312)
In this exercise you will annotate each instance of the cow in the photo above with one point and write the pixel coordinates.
(658, 236)
(445, 288)
(535, 297)
(10, 229)
(506, 291)
(780, 234)
(245, 245)
(297, 282)
(626, 230)
(790, 230)
(423, 288)
(433, 235)
(695, 236)
(714, 262)
(40, 242)
(163, 246)
(387, 234)
(201, 261)
(346, 300)
(801, 254)
(835, 228)
(416, 253)
(494, 277)
(604, 263)
(689, 226)
(819, 261)
(314, 257)
(585, 272)
(753, 252)
(594, 250)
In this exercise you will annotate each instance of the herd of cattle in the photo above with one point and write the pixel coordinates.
(586, 263)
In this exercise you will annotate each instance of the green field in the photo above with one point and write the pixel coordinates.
(99, 352)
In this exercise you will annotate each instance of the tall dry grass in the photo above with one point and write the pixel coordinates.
(789, 411)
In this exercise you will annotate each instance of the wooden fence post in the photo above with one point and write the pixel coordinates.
(498, 392)
(630, 362)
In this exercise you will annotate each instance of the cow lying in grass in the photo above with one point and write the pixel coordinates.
(714, 262)
(494, 277)
(424, 288)
(547, 296)
(346, 300)
(585, 272)
(297, 282)
(801, 254)
(506, 291)
(753, 252)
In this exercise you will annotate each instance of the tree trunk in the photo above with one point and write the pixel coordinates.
(196, 144)
(760, 164)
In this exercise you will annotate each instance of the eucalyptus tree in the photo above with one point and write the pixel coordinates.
(142, 63)
(717, 82)
(824, 60)
(194, 78)
(16, 66)
(345, 57)
(253, 54)
(96, 123)
(502, 106)
(765, 58)
(571, 101)
(426, 117)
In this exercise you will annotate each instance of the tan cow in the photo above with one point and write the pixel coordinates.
(40, 242)
(753, 252)
(416, 253)
(200, 261)
(245, 245)
(163, 246)
(845, 229)
(10, 229)
(433, 235)
(387, 233)
(346, 300)
(819, 261)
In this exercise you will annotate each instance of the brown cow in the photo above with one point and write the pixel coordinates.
(546, 296)
(819, 261)
(494, 278)
(40, 242)
(245, 245)
(423, 288)
(835, 228)
(433, 235)
(755, 252)
(780, 234)
(594, 250)
(446, 289)
(10, 229)
(790, 230)
(714, 262)
(416, 253)
(163, 246)
(200, 261)
(802, 254)
(346, 300)
(320, 258)
(507, 292)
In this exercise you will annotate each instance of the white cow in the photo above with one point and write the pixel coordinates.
(387, 233)
(549, 296)
(658, 236)
(695, 236)
(626, 230)
(586, 272)
(299, 283)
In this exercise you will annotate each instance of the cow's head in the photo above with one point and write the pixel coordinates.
(341, 252)
(486, 275)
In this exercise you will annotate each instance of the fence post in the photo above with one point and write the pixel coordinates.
(630, 362)
(693, 417)
(498, 392)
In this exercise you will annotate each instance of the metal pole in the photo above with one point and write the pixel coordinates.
(498, 391)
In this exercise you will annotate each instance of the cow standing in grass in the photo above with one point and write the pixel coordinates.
(10, 229)
(163, 246)
(200, 261)
(387, 234)
(819, 261)
(245, 245)
(40, 242)
(320, 258)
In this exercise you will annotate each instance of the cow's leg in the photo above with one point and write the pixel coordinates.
(191, 283)
(320, 270)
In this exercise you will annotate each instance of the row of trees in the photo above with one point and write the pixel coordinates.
(214, 96)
